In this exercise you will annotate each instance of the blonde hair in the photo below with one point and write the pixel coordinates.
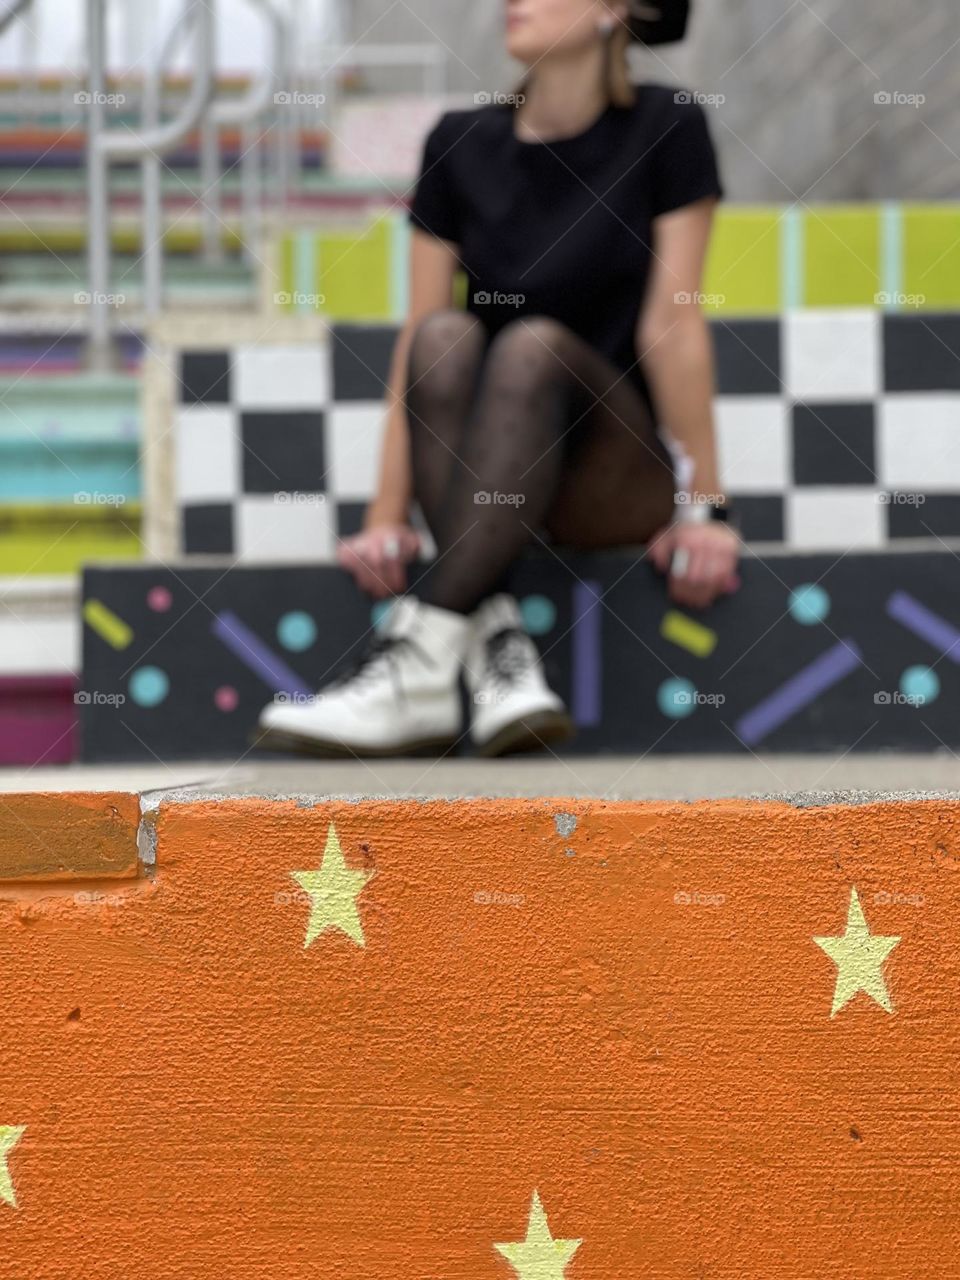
(620, 88)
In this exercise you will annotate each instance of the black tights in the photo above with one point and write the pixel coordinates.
(533, 431)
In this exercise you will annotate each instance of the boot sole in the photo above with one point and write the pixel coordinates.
(530, 733)
(301, 745)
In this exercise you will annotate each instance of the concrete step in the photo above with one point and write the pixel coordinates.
(424, 1038)
(838, 651)
(636, 778)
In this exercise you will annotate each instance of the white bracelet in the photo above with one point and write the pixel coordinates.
(689, 511)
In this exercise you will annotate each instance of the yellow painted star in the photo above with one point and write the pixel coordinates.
(859, 957)
(539, 1257)
(10, 1135)
(333, 893)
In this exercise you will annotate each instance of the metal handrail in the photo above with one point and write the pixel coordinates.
(430, 57)
(260, 96)
(243, 111)
(105, 144)
(14, 9)
(151, 168)
(157, 138)
(10, 11)
(124, 144)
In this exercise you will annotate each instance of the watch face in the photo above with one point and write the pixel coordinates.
(659, 21)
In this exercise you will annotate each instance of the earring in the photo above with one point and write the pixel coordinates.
(606, 25)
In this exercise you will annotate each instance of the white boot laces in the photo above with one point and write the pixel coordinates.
(382, 656)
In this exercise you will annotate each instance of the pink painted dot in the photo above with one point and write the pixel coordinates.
(227, 698)
(159, 599)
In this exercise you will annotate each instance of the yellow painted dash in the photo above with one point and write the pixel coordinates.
(107, 625)
(692, 636)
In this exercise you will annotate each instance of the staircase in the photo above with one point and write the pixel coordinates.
(423, 1037)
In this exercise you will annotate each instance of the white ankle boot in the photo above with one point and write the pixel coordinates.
(511, 706)
(402, 696)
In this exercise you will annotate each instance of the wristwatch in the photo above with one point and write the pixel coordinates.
(689, 510)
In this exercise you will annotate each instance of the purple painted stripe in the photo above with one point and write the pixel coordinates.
(587, 658)
(259, 657)
(928, 626)
(799, 691)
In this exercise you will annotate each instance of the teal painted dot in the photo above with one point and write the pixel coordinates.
(920, 685)
(676, 698)
(148, 686)
(809, 604)
(296, 631)
(539, 614)
(380, 612)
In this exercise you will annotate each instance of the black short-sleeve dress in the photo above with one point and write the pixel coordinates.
(564, 228)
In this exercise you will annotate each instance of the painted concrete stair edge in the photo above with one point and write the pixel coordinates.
(826, 651)
(764, 259)
(483, 1035)
(63, 834)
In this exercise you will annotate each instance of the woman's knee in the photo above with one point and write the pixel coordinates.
(444, 351)
(529, 352)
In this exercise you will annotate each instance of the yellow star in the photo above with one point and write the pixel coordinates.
(539, 1257)
(333, 893)
(859, 957)
(10, 1135)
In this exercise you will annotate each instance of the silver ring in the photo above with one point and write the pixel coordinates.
(680, 564)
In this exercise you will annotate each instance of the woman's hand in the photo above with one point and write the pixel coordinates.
(700, 559)
(379, 556)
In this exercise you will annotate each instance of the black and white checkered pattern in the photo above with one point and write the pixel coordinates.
(277, 446)
(836, 428)
(841, 428)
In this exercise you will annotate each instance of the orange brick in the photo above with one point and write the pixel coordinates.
(68, 835)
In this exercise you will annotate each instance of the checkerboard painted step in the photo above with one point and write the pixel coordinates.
(837, 429)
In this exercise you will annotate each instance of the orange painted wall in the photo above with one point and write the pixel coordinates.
(632, 1019)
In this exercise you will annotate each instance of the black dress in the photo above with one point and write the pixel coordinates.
(564, 228)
